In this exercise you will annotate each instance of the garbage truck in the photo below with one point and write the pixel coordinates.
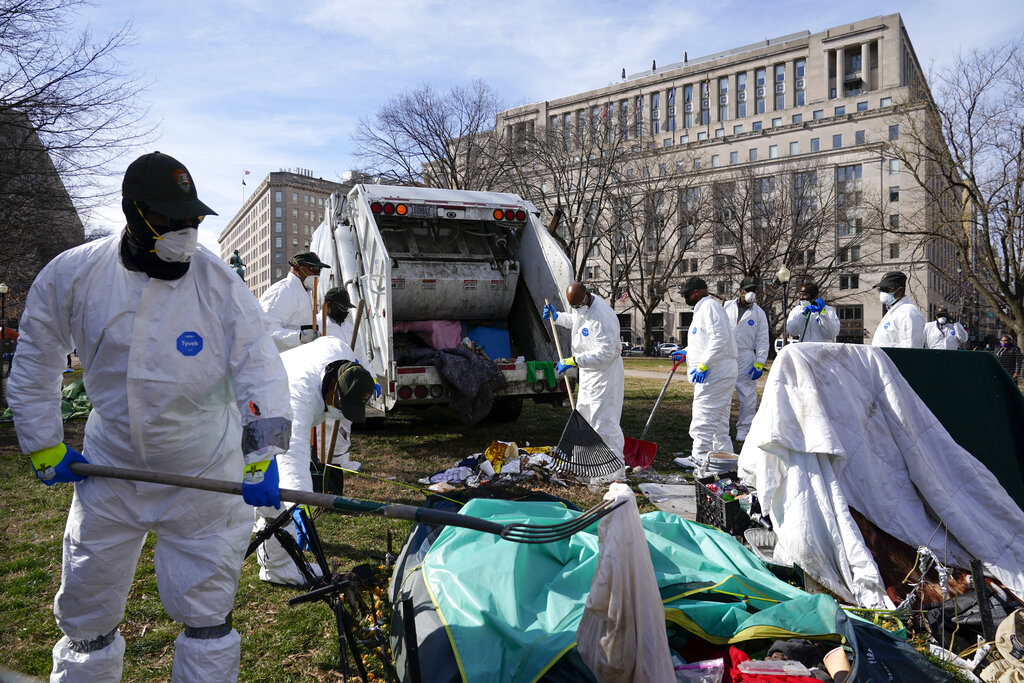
(438, 270)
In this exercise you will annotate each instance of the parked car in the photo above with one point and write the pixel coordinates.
(635, 351)
(625, 348)
(668, 349)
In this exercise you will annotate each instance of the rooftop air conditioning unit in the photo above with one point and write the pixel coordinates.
(759, 92)
(655, 114)
(780, 87)
(688, 107)
(799, 84)
(671, 111)
(704, 104)
(741, 96)
(723, 99)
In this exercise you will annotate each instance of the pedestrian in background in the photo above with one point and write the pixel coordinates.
(1010, 357)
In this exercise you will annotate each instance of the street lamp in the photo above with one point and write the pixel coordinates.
(3, 303)
(783, 275)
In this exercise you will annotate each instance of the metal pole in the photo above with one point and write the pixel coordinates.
(785, 313)
(3, 307)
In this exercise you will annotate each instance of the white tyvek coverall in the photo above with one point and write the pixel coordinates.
(344, 333)
(171, 367)
(711, 341)
(813, 327)
(750, 327)
(902, 326)
(305, 367)
(287, 306)
(947, 337)
(597, 349)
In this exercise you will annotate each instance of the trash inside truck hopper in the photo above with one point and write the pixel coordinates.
(436, 267)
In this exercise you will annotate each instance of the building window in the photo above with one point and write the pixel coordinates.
(295, 197)
(780, 87)
(818, 114)
(723, 98)
(862, 106)
(702, 135)
(741, 94)
(849, 254)
(794, 148)
(849, 282)
(752, 154)
(661, 169)
(773, 151)
(840, 110)
(277, 273)
(885, 102)
(684, 139)
(815, 144)
(714, 161)
(277, 226)
(277, 196)
(837, 141)
(295, 242)
(719, 132)
(894, 194)
(759, 91)
(734, 157)
(295, 228)
(798, 118)
(277, 242)
(705, 104)
(687, 106)
(894, 220)
(277, 257)
(894, 166)
(697, 164)
(756, 125)
(894, 132)
(776, 122)
(859, 137)
(723, 287)
(894, 251)
(736, 130)
(667, 142)
(680, 167)
(277, 212)
(798, 68)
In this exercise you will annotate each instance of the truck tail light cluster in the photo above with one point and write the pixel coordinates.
(509, 215)
(407, 392)
(389, 209)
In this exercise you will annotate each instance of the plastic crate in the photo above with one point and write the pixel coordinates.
(762, 543)
(727, 515)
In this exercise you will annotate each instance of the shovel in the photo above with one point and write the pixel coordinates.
(640, 454)
(517, 532)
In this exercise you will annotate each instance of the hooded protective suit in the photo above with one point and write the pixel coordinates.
(902, 326)
(597, 349)
(182, 375)
(711, 341)
(750, 326)
(305, 367)
(948, 336)
(287, 306)
(813, 327)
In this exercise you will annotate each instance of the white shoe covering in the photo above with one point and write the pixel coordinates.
(207, 659)
(98, 666)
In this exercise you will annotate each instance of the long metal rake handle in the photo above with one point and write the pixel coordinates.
(517, 532)
(558, 347)
(660, 396)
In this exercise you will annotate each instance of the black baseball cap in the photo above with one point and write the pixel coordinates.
(692, 283)
(309, 260)
(810, 289)
(338, 297)
(351, 383)
(891, 281)
(749, 284)
(164, 184)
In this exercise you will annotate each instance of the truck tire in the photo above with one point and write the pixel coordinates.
(505, 410)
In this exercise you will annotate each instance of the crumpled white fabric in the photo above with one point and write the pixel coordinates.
(839, 426)
(622, 635)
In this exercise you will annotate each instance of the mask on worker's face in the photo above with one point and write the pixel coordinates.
(943, 320)
(750, 297)
(308, 282)
(335, 413)
(886, 298)
(177, 246)
(1004, 344)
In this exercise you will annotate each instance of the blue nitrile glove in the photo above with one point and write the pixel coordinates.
(756, 371)
(376, 390)
(301, 535)
(261, 484)
(565, 364)
(549, 312)
(699, 374)
(679, 356)
(53, 465)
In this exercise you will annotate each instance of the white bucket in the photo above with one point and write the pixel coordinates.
(718, 462)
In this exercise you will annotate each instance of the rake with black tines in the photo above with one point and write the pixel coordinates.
(516, 532)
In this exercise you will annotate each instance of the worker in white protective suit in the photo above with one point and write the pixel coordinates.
(323, 381)
(750, 329)
(944, 332)
(288, 305)
(903, 325)
(337, 306)
(183, 379)
(711, 360)
(596, 351)
(812, 320)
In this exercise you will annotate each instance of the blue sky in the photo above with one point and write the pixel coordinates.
(262, 86)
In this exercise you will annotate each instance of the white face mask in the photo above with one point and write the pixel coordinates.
(335, 413)
(886, 298)
(942, 320)
(308, 282)
(177, 246)
(750, 297)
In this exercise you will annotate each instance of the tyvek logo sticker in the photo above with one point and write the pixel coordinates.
(886, 326)
(750, 322)
(693, 331)
(585, 332)
(953, 333)
(189, 343)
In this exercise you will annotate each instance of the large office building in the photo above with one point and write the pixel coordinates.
(826, 105)
(276, 222)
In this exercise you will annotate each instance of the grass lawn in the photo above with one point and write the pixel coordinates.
(281, 642)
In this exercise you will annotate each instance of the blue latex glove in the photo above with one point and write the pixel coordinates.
(376, 390)
(699, 374)
(52, 465)
(756, 371)
(301, 535)
(565, 364)
(261, 484)
(679, 356)
(549, 312)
